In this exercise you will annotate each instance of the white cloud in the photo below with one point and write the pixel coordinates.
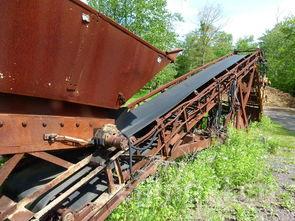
(251, 17)
(242, 18)
(187, 11)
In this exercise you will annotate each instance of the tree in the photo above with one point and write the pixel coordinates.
(209, 16)
(168, 74)
(222, 44)
(148, 19)
(246, 43)
(206, 43)
(278, 45)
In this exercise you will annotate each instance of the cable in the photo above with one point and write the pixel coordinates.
(131, 146)
(232, 96)
(216, 120)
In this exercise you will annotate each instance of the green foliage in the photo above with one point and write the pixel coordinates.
(195, 54)
(222, 44)
(246, 43)
(160, 198)
(235, 159)
(3, 159)
(138, 95)
(278, 45)
(244, 213)
(206, 180)
(290, 188)
(274, 135)
(206, 43)
(286, 200)
(166, 75)
(149, 19)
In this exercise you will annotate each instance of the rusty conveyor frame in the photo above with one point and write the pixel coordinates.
(178, 140)
(175, 137)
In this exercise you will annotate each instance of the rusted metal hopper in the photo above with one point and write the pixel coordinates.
(65, 50)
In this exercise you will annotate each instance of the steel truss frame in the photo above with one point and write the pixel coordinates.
(175, 136)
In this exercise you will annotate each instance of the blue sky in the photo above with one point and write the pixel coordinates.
(241, 18)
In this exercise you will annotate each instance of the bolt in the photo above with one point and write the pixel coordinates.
(90, 125)
(62, 124)
(85, 18)
(24, 124)
(77, 125)
(44, 124)
(1, 123)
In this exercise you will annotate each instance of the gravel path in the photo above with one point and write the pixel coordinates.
(283, 165)
(283, 116)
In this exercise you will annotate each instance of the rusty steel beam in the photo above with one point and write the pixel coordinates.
(108, 207)
(8, 166)
(6, 206)
(175, 136)
(53, 159)
(239, 73)
(188, 148)
(60, 198)
(73, 53)
(71, 170)
(25, 133)
(54, 99)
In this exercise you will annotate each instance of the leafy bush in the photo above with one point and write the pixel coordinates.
(278, 45)
(238, 165)
(240, 160)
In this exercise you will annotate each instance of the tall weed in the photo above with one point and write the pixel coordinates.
(238, 165)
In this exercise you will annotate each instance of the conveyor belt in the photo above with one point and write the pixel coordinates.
(130, 122)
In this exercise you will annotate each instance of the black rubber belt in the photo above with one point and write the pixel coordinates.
(130, 122)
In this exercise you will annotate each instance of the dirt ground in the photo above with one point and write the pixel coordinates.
(279, 107)
(284, 170)
(276, 98)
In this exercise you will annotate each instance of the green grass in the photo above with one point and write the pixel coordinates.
(138, 95)
(290, 188)
(286, 200)
(223, 182)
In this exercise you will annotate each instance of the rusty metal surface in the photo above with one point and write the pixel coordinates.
(65, 50)
(25, 133)
(53, 159)
(25, 120)
(43, 189)
(189, 148)
(6, 206)
(8, 166)
(16, 104)
(175, 133)
(103, 212)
